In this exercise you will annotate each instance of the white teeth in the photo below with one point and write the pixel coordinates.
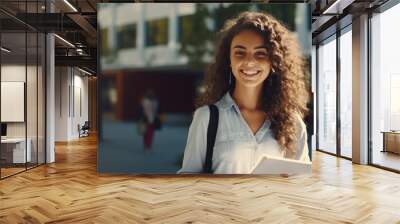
(249, 72)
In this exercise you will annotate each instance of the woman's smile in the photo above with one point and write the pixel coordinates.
(250, 73)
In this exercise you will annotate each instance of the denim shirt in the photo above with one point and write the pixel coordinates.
(236, 148)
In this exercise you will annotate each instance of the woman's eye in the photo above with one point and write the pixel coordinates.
(261, 55)
(239, 53)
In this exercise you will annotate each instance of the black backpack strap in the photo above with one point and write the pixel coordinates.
(211, 134)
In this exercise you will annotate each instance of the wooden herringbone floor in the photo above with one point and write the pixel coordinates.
(70, 191)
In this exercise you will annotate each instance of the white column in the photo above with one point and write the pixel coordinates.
(360, 90)
(50, 94)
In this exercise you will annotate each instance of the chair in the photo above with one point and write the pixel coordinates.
(84, 130)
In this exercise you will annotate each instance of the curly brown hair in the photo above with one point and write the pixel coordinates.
(284, 91)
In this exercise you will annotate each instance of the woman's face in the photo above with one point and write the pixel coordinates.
(250, 63)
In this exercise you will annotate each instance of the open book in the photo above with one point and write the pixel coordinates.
(277, 165)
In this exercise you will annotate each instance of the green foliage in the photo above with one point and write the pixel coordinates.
(196, 37)
(285, 13)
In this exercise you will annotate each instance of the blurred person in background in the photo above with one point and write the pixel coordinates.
(149, 120)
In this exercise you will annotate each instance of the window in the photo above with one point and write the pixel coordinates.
(157, 32)
(394, 102)
(126, 36)
(185, 24)
(346, 93)
(385, 88)
(105, 47)
(327, 96)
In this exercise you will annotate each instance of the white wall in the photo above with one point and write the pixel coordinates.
(71, 92)
(13, 73)
(80, 94)
(16, 73)
(12, 100)
(61, 103)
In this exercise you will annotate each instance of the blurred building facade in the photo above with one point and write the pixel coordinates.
(143, 36)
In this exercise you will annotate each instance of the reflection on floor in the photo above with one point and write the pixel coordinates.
(10, 169)
(387, 159)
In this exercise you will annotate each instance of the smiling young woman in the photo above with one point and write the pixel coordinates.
(257, 83)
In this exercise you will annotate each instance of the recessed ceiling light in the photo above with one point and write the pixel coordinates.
(84, 71)
(337, 7)
(64, 40)
(5, 50)
(70, 5)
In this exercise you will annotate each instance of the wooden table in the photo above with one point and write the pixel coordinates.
(391, 141)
